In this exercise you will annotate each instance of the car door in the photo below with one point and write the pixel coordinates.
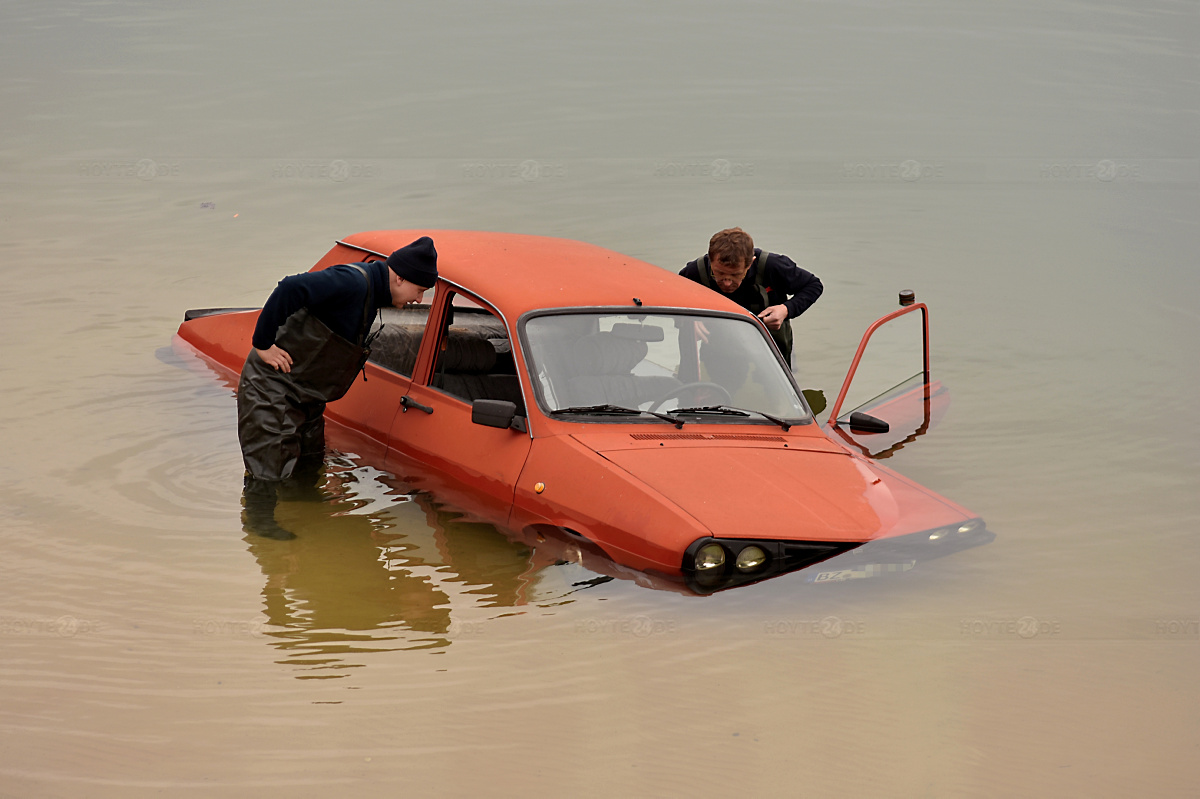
(889, 380)
(466, 355)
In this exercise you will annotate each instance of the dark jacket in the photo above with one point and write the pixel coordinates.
(334, 295)
(786, 284)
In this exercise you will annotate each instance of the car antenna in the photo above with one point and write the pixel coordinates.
(637, 302)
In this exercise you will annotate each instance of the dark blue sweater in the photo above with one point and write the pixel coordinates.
(334, 295)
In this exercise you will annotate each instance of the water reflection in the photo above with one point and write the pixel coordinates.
(375, 568)
(910, 410)
(378, 567)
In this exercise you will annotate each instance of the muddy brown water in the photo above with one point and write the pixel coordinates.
(1030, 171)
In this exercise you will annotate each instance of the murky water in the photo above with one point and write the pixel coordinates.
(1031, 171)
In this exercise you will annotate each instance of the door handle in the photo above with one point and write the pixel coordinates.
(407, 402)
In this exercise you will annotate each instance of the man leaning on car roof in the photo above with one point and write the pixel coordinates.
(310, 342)
(769, 285)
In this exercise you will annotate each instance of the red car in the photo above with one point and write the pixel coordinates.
(555, 388)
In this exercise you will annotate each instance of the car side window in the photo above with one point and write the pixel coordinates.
(399, 341)
(475, 359)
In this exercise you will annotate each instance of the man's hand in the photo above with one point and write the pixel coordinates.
(276, 357)
(774, 317)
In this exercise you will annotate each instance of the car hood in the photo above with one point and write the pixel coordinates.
(770, 492)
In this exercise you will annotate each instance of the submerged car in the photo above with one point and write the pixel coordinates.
(556, 388)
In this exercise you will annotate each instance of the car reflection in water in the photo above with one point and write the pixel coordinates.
(377, 568)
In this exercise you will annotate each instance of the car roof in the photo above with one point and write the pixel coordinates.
(520, 273)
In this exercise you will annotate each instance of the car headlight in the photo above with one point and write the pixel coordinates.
(750, 559)
(965, 528)
(710, 557)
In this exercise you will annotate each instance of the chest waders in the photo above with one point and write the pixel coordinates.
(281, 415)
(759, 303)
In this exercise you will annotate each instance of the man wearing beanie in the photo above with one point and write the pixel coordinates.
(310, 342)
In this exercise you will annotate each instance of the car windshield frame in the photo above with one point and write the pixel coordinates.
(779, 399)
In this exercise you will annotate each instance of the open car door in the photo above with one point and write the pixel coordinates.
(888, 398)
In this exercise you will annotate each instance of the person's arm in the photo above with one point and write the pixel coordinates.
(284, 301)
(293, 293)
(307, 289)
(803, 287)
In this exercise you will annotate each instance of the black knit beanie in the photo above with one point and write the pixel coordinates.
(416, 262)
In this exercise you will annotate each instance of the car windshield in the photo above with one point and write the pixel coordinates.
(701, 368)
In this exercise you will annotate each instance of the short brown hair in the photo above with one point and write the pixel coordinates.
(733, 246)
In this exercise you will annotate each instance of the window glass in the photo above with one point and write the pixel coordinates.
(399, 341)
(475, 360)
(893, 362)
(658, 362)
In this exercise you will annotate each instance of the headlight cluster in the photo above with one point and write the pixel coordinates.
(713, 561)
(712, 564)
(955, 530)
(712, 557)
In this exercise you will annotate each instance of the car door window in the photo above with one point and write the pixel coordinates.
(398, 342)
(475, 358)
(892, 361)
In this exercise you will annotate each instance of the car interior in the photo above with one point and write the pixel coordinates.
(475, 361)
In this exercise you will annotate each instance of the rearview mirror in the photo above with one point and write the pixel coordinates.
(638, 332)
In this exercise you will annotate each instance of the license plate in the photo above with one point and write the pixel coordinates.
(861, 572)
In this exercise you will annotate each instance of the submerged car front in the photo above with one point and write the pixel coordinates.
(677, 441)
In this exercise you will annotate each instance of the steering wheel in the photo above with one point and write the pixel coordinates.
(679, 391)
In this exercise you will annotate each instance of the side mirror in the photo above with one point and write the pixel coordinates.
(497, 413)
(865, 423)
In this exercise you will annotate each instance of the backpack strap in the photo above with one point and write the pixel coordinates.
(782, 336)
(705, 268)
(366, 322)
(365, 341)
(760, 271)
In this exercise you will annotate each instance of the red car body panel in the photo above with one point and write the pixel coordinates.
(800, 494)
(642, 492)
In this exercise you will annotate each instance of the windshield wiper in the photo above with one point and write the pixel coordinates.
(729, 410)
(616, 409)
